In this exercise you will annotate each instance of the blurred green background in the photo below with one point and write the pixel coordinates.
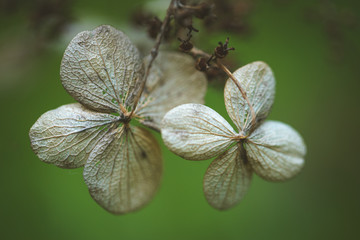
(313, 49)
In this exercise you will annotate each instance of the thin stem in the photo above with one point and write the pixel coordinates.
(243, 93)
(155, 50)
(198, 52)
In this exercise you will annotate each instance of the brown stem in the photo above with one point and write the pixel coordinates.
(155, 51)
(243, 93)
(195, 52)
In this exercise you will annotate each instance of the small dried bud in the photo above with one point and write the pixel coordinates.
(202, 64)
(219, 52)
(186, 46)
(222, 50)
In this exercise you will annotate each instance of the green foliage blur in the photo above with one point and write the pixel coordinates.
(313, 49)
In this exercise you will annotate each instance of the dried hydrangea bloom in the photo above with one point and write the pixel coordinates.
(103, 71)
(271, 149)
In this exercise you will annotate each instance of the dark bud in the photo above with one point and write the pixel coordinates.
(186, 46)
(219, 52)
(202, 64)
(222, 50)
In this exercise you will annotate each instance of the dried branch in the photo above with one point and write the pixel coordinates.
(155, 50)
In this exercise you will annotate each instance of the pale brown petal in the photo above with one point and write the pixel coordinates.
(258, 82)
(196, 132)
(124, 170)
(227, 179)
(173, 81)
(65, 136)
(102, 69)
(275, 151)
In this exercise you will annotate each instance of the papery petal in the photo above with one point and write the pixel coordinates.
(173, 81)
(102, 69)
(275, 151)
(124, 171)
(196, 132)
(258, 82)
(227, 179)
(65, 136)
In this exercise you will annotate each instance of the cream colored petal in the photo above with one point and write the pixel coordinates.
(124, 170)
(196, 132)
(173, 81)
(227, 179)
(102, 69)
(275, 151)
(258, 82)
(65, 136)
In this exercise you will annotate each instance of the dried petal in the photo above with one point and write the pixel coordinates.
(258, 82)
(102, 69)
(196, 132)
(124, 170)
(227, 179)
(275, 151)
(65, 136)
(173, 81)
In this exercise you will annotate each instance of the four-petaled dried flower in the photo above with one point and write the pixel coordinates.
(103, 71)
(271, 149)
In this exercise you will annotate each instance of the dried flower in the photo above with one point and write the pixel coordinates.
(103, 71)
(222, 50)
(271, 149)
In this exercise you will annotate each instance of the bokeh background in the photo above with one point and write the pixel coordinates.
(313, 49)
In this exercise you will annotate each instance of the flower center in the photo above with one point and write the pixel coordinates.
(239, 137)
